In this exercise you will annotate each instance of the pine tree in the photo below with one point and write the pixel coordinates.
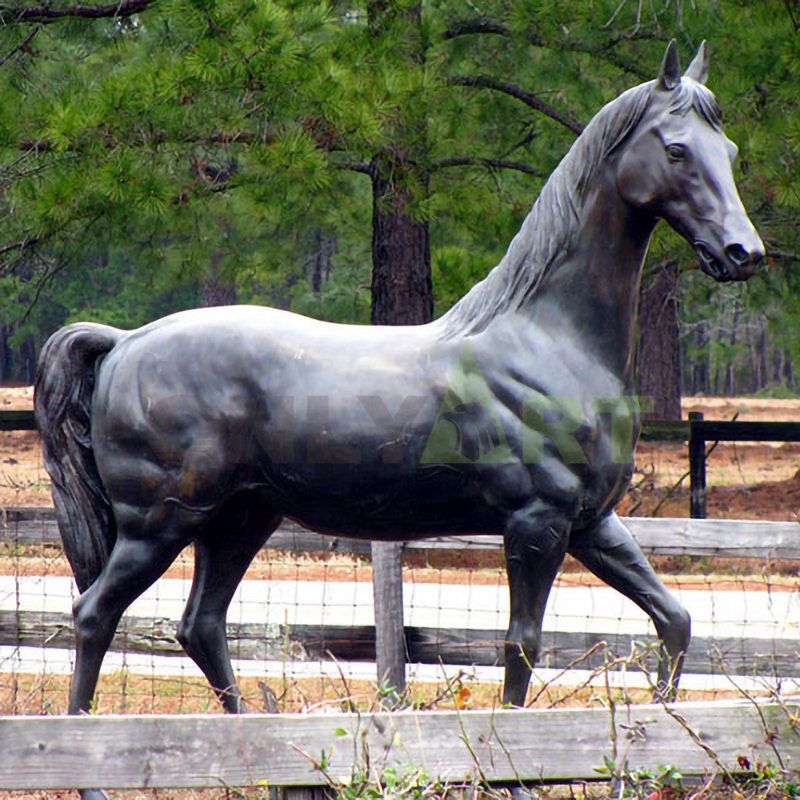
(189, 133)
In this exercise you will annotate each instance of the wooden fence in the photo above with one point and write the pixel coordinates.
(753, 654)
(658, 536)
(692, 537)
(506, 747)
(696, 430)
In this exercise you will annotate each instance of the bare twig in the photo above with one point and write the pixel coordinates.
(476, 25)
(781, 256)
(671, 712)
(572, 664)
(21, 46)
(23, 244)
(610, 21)
(769, 734)
(677, 485)
(696, 739)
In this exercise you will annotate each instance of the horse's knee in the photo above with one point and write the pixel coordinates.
(187, 634)
(679, 630)
(523, 642)
(88, 621)
(183, 634)
(673, 623)
(200, 633)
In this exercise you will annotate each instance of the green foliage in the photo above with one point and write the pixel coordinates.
(766, 780)
(392, 784)
(198, 139)
(639, 784)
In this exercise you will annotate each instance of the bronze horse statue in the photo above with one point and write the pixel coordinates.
(210, 426)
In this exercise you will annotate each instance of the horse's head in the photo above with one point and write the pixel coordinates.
(677, 166)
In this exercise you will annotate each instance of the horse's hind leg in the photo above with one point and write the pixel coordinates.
(146, 545)
(222, 555)
(610, 552)
(535, 543)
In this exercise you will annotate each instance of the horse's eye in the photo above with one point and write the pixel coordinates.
(676, 152)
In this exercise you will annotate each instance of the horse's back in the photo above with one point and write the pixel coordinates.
(200, 403)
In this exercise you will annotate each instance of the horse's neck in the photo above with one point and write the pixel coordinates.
(588, 298)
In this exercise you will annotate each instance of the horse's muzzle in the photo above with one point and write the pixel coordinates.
(737, 263)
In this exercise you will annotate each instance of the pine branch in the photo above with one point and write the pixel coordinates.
(355, 166)
(781, 256)
(483, 24)
(161, 138)
(23, 244)
(21, 47)
(480, 24)
(530, 100)
(794, 13)
(48, 13)
(493, 163)
(23, 247)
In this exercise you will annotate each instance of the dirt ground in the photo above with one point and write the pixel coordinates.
(746, 480)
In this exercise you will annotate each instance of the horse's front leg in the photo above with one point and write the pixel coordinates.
(609, 550)
(536, 540)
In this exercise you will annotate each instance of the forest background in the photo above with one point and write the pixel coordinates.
(368, 161)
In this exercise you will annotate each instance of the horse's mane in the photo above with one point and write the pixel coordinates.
(552, 222)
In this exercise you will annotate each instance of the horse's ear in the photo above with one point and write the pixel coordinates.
(698, 69)
(670, 75)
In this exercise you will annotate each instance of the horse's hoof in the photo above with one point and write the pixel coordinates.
(93, 794)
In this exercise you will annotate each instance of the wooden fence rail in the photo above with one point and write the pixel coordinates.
(767, 658)
(696, 430)
(662, 536)
(193, 751)
(17, 420)
(654, 430)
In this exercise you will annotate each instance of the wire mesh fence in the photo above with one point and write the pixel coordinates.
(301, 633)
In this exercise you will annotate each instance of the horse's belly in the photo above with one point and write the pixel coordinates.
(384, 504)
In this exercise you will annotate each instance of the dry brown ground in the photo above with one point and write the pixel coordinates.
(746, 480)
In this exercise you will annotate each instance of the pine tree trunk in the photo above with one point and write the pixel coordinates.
(5, 354)
(27, 359)
(658, 358)
(763, 373)
(701, 366)
(731, 369)
(218, 293)
(402, 292)
(216, 290)
(777, 365)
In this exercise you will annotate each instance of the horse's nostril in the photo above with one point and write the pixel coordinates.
(737, 254)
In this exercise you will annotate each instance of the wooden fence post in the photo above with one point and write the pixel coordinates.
(301, 793)
(697, 468)
(390, 639)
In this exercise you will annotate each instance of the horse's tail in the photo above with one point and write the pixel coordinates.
(63, 404)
